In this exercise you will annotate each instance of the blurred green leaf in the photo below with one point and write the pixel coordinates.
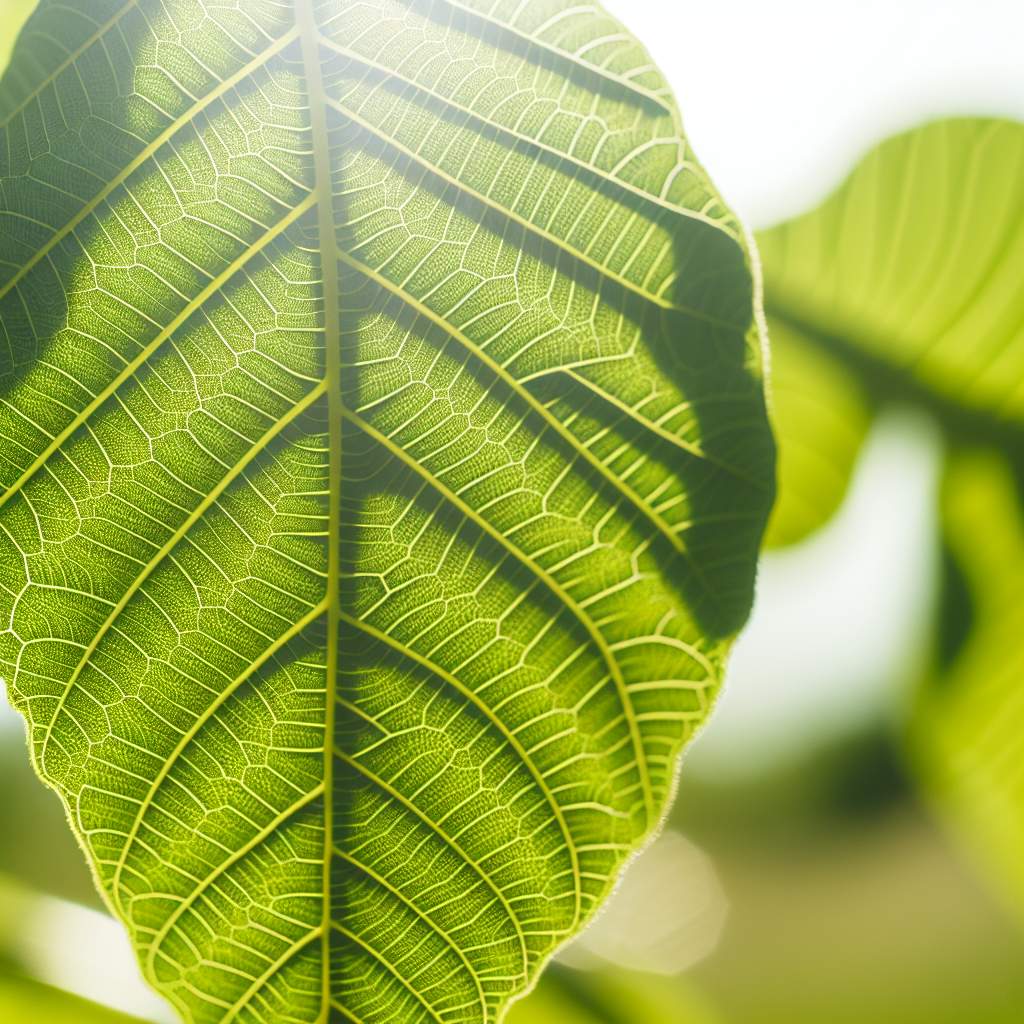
(914, 266)
(25, 1001)
(905, 284)
(908, 284)
(36, 845)
(12, 16)
(968, 730)
(821, 417)
(611, 996)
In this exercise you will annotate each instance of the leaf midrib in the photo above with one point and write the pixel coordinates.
(510, 737)
(525, 396)
(187, 738)
(400, 798)
(329, 269)
(553, 586)
(414, 908)
(261, 445)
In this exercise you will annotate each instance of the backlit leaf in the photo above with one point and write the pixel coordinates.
(821, 415)
(914, 264)
(384, 461)
(906, 283)
(22, 999)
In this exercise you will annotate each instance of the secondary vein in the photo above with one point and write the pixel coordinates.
(148, 151)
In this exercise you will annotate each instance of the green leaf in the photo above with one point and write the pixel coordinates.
(611, 996)
(384, 463)
(969, 719)
(913, 266)
(821, 416)
(22, 999)
(906, 283)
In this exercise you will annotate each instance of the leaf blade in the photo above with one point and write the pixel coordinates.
(358, 637)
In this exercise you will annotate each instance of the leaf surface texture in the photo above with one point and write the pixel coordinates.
(384, 461)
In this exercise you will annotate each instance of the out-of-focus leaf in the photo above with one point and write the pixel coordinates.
(906, 284)
(36, 846)
(821, 417)
(25, 1001)
(73, 948)
(914, 265)
(968, 731)
(611, 996)
(909, 284)
(12, 15)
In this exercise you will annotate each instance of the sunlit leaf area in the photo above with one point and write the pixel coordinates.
(621, 622)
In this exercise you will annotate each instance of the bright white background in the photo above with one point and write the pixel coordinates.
(781, 96)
